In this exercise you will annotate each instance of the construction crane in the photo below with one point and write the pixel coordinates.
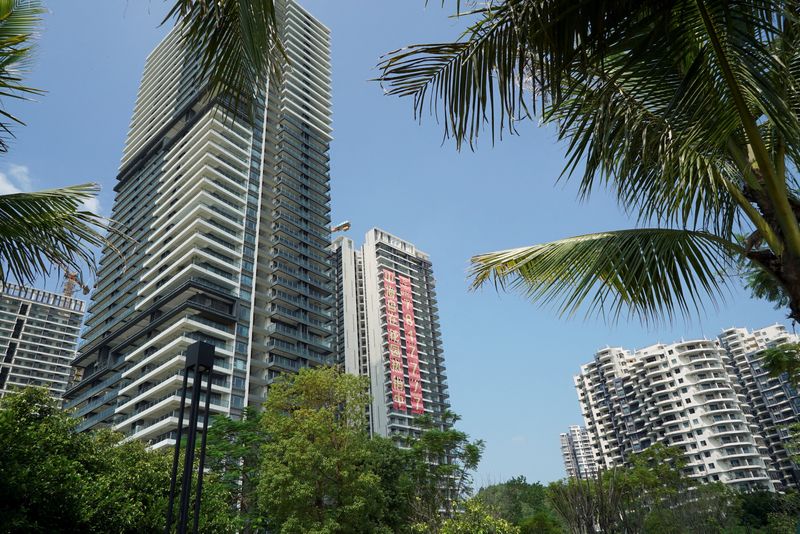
(71, 280)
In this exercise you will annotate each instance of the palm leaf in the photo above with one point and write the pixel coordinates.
(783, 359)
(19, 20)
(471, 82)
(238, 42)
(48, 229)
(652, 273)
(633, 86)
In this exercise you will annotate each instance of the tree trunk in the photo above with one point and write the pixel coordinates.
(786, 270)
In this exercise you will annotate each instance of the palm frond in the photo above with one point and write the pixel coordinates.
(652, 273)
(783, 359)
(474, 82)
(19, 21)
(239, 42)
(48, 229)
(512, 46)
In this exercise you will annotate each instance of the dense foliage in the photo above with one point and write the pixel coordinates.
(476, 519)
(306, 464)
(55, 480)
(522, 504)
(652, 496)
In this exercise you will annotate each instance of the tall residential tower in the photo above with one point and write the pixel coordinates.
(388, 329)
(685, 395)
(228, 226)
(713, 399)
(774, 402)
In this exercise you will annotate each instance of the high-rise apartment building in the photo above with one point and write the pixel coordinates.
(388, 329)
(38, 336)
(576, 449)
(774, 403)
(685, 395)
(227, 219)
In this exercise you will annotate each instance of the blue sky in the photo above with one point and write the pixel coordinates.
(510, 363)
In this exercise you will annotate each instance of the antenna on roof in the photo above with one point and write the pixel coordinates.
(341, 227)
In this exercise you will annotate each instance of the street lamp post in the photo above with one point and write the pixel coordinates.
(200, 362)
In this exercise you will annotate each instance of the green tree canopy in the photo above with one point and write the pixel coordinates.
(319, 470)
(651, 495)
(53, 479)
(475, 518)
(513, 500)
(442, 461)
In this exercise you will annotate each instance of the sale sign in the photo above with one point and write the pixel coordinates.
(397, 377)
(412, 353)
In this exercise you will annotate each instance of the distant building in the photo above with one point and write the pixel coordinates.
(685, 395)
(39, 333)
(576, 449)
(387, 328)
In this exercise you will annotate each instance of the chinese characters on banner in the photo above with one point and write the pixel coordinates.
(412, 355)
(395, 352)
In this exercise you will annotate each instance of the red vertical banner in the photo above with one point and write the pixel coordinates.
(412, 353)
(393, 332)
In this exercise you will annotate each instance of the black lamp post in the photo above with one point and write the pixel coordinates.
(199, 361)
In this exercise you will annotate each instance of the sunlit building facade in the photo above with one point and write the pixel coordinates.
(227, 217)
(773, 402)
(38, 336)
(576, 450)
(388, 330)
(685, 395)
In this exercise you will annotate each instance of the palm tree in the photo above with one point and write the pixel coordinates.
(19, 20)
(48, 230)
(687, 109)
(239, 42)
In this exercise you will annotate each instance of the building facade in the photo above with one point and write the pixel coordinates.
(39, 333)
(773, 402)
(685, 395)
(576, 449)
(388, 330)
(227, 219)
